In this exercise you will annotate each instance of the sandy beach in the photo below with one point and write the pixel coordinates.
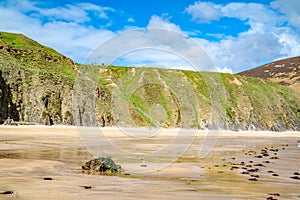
(157, 164)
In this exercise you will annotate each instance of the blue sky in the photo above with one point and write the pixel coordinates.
(237, 35)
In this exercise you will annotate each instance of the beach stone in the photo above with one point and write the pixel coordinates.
(86, 186)
(102, 164)
(295, 177)
(252, 179)
(8, 192)
(48, 179)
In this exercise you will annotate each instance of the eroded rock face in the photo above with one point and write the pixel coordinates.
(101, 165)
(8, 108)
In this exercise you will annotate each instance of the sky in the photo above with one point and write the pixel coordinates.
(236, 35)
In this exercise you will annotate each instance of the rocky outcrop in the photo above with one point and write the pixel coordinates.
(101, 165)
(35, 82)
(8, 109)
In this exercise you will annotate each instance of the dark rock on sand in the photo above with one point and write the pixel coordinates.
(253, 170)
(245, 172)
(252, 179)
(296, 173)
(234, 167)
(274, 194)
(273, 150)
(271, 198)
(86, 187)
(48, 179)
(8, 192)
(259, 165)
(101, 164)
(295, 177)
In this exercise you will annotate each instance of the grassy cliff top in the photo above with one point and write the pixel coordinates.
(19, 52)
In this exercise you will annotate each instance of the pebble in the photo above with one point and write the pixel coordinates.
(48, 179)
(8, 192)
(253, 170)
(259, 165)
(274, 194)
(252, 179)
(271, 198)
(86, 186)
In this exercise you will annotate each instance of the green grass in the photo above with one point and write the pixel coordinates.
(39, 60)
(19, 41)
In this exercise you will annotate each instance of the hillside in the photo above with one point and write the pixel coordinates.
(285, 72)
(35, 81)
(37, 84)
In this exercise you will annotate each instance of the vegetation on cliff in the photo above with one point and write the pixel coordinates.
(37, 84)
(36, 81)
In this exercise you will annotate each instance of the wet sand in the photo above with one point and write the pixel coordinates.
(29, 154)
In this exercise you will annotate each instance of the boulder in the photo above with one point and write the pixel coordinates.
(101, 165)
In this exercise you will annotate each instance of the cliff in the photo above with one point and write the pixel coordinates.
(37, 84)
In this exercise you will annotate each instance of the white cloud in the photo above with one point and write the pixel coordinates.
(68, 13)
(158, 22)
(204, 12)
(131, 20)
(65, 30)
(244, 51)
(162, 44)
(267, 38)
(291, 10)
(252, 12)
(62, 31)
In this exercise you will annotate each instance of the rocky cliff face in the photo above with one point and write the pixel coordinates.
(174, 98)
(39, 85)
(36, 82)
